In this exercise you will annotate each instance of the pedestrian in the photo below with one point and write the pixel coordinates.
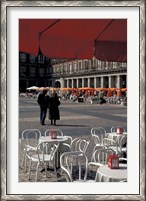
(43, 100)
(101, 98)
(54, 113)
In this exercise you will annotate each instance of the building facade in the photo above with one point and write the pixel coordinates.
(34, 71)
(73, 73)
(89, 73)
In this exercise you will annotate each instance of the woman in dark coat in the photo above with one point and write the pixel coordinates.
(54, 113)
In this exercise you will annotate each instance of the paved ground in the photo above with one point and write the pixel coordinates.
(77, 119)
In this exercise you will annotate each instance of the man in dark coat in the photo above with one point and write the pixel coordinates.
(43, 101)
(54, 113)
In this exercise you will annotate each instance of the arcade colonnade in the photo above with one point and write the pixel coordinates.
(96, 81)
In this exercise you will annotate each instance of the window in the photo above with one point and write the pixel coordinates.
(41, 59)
(124, 64)
(75, 67)
(41, 71)
(102, 65)
(114, 64)
(70, 68)
(32, 71)
(92, 63)
(22, 57)
(99, 64)
(65, 68)
(80, 65)
(58, 69)
(22, 71)
(110, 65)
(86, 62)
(32, 58)
(48, 70)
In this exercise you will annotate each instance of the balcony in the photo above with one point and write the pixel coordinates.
(90, 72)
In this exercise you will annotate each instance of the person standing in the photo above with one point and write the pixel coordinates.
(43, 100)
(54, 113)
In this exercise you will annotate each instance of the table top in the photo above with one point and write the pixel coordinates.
(107, 174)
(48, 138)
(116, 134)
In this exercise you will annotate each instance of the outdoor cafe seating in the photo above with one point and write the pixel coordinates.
(29, 141)
(43, 158)
(69, 157)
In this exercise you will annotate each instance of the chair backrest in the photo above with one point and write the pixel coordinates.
(83, 145)
(46, 148)
(100, 132)
(110, 143)
(30, 137)
(79, 144)
(74, 143)
(121, 144)
(96, 140)
(101, 155)
(48, 132)
(69, 141)
(70, 161)
(94, 149)
(66, 146)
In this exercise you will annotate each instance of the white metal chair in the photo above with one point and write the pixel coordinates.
(79, 144)
(100, 132)
(48, 132)
(66, 146)
(74, 144)
(100, 158)
(74, 161)
(110, 143)
(43, 158)
(122, 145)
(117, 145)
(29, 141)
(82, 145)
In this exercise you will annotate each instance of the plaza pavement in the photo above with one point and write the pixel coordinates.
(76, 120)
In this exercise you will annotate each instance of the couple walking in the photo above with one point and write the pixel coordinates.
(45, 102)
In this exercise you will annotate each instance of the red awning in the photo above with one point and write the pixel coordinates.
(75, 38)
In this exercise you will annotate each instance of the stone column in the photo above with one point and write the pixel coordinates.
(88, 82)
(95, 82)
(118, 81)
(82, 82)
(62, 82)
(67, 83)
(72, 83)
(77, 83)
(102, 82)
(110, 82)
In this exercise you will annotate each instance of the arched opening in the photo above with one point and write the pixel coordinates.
(57, 84)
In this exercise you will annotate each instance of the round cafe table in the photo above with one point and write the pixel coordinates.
(59, 139)
(106, 174)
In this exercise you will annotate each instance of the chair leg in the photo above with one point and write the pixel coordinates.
(36, 178)
(46, 168)
(29, 170)
(25, 163)
(54, 166)
(22, 160)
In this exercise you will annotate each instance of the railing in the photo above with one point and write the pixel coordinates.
(90, 72)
